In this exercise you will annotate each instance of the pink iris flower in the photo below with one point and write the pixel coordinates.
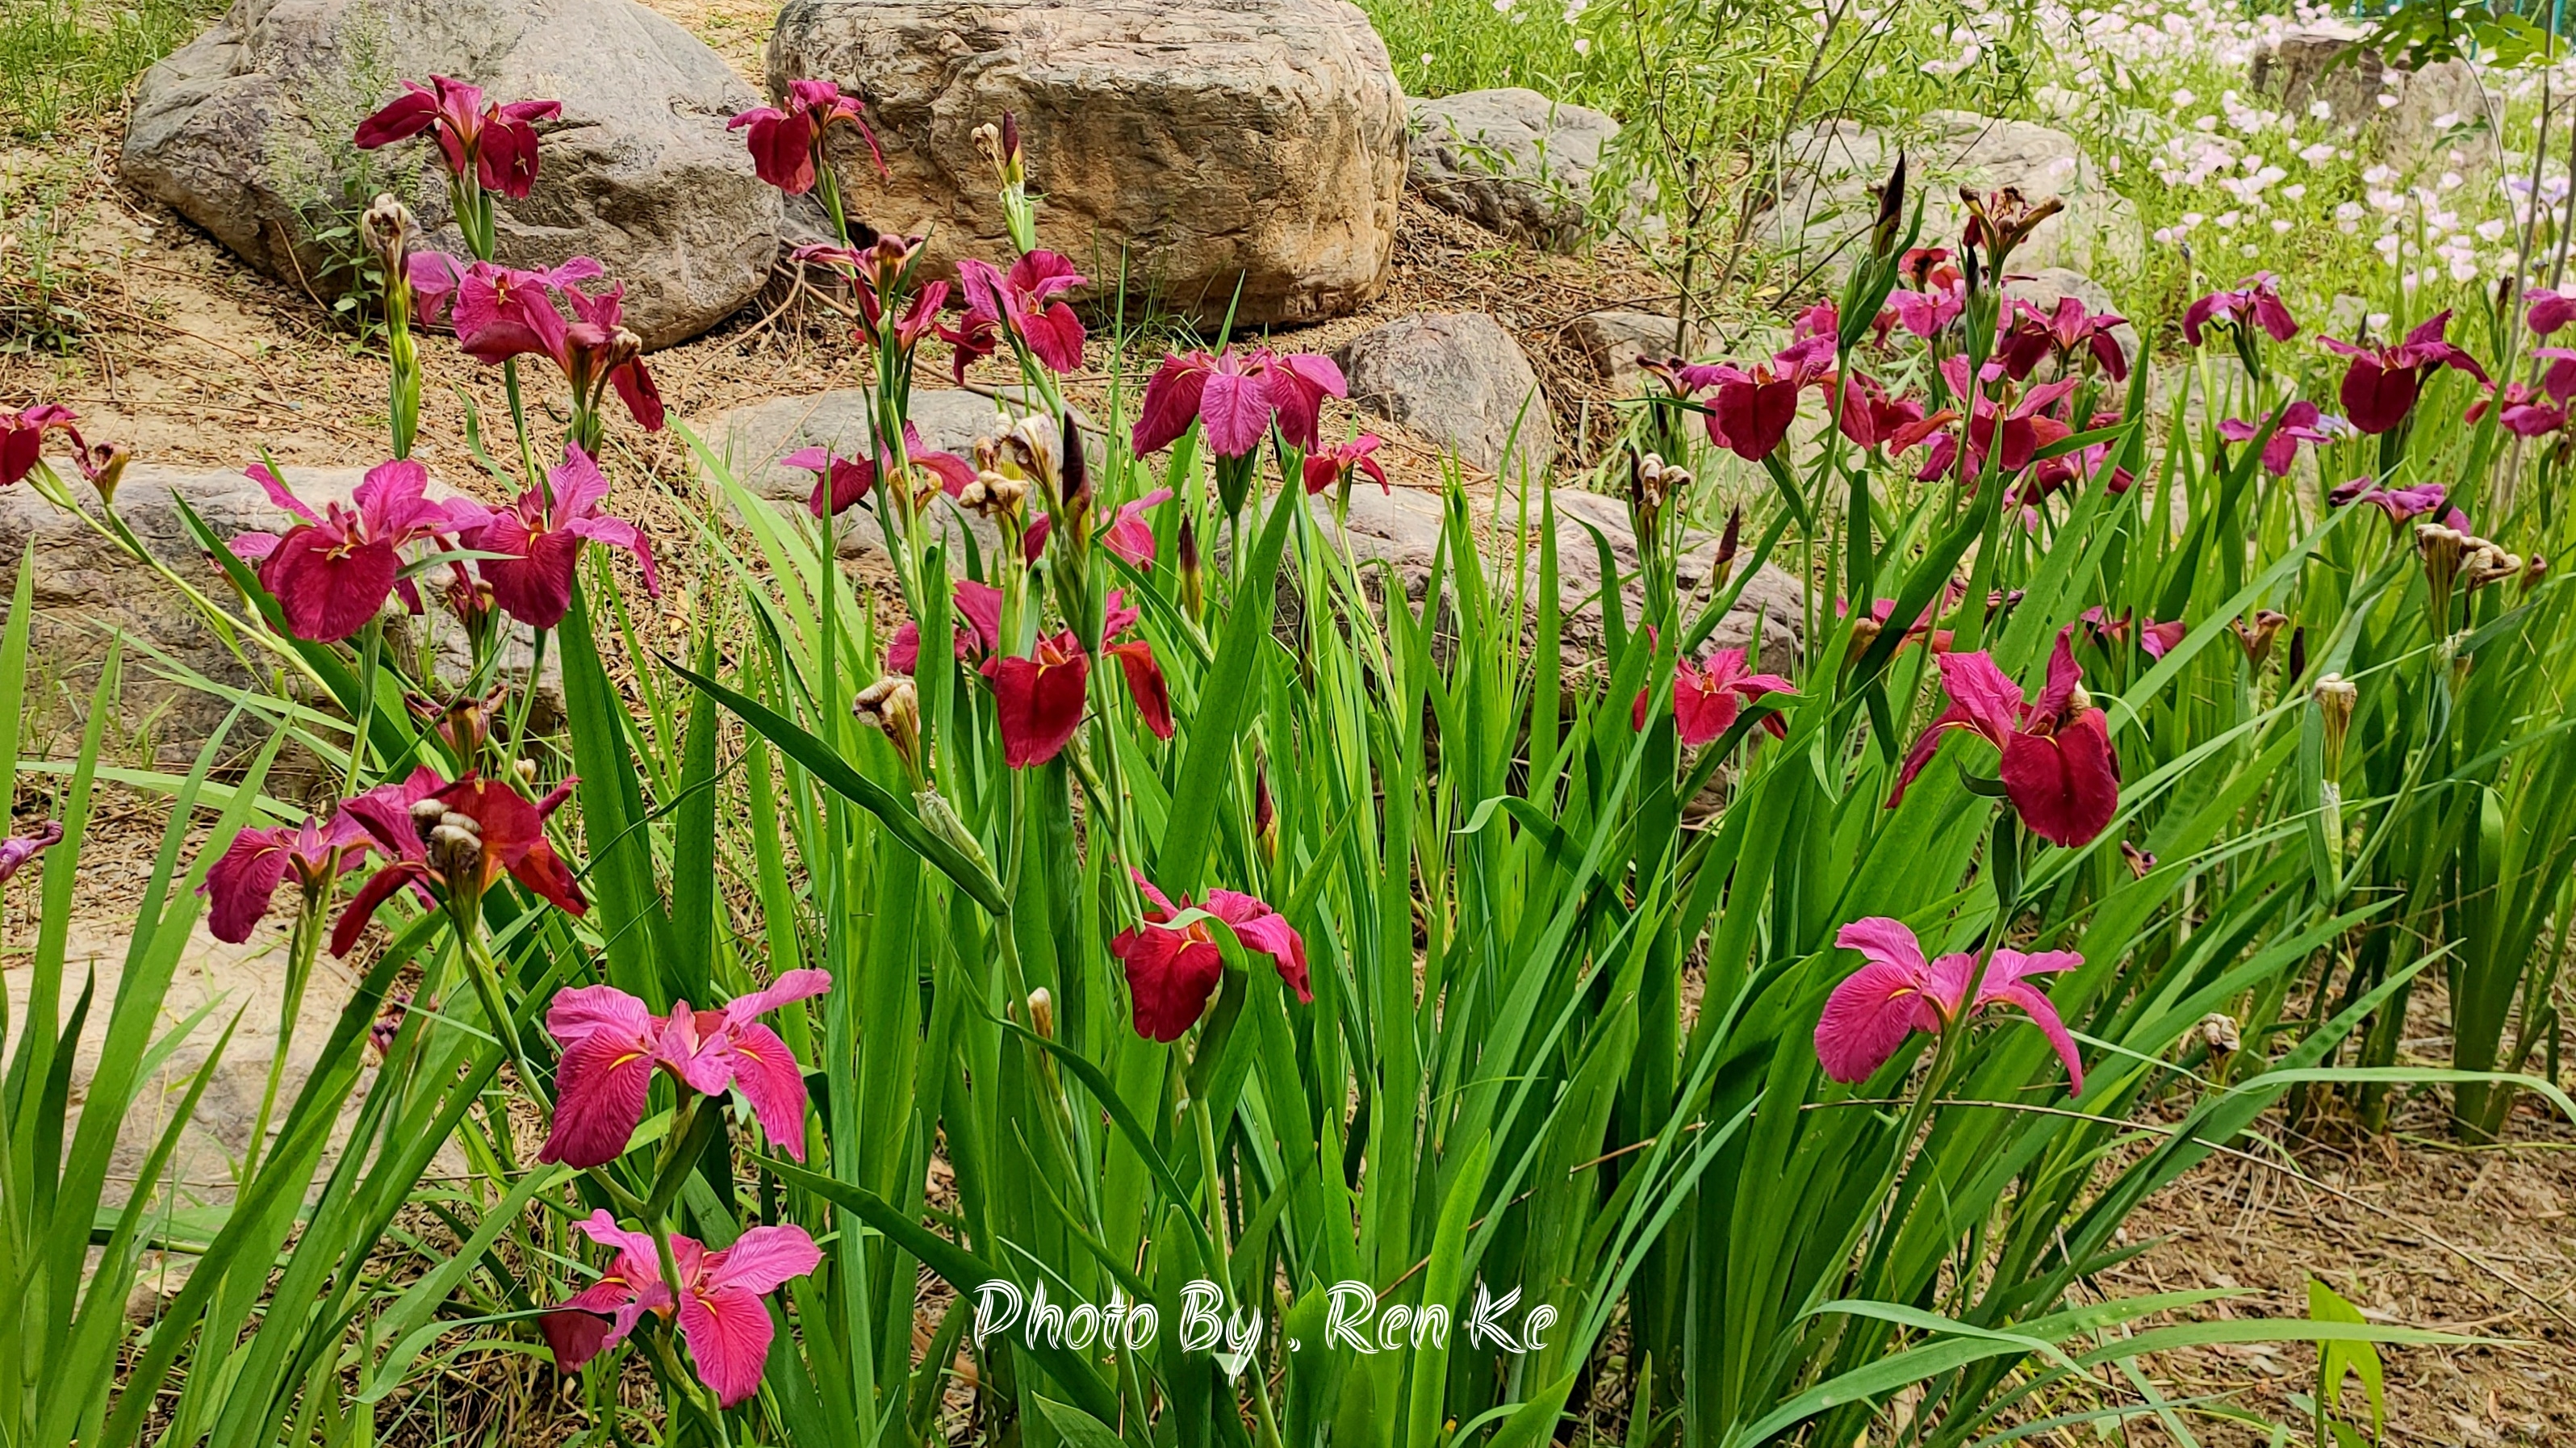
(839, 482)
(17, 850)
(1236, 394)
(22, 437)
(334, 570)
(2155, 640)
(1331, 467)
(1129, 534)
(534, 585)
(1038, 699)
(498, 143)
(2066, 330)
(2400, 504)
(2382, 383)
(241, 881)
(2300, 422)
(613, 1043)
(1708, 698)
(2255, 303)
(1751, 414)
(1871, 416)
(2528, 411)
(1025, 300)
(2058, 768)
(1136, 660)
(512, 830)
(1171, 973)
(718, 1299)
(2016, 433)
(980, 604)
(504, 312)
(1897, 992)
(2550, 310)
(785, 144)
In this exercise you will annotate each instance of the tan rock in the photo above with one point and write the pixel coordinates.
(1460, 380)
(1243, 154)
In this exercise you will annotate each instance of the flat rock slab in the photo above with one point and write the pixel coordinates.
(1512, 161)
(1459, 379)
(89, 592)
(1829, 197)
(246, 132)
(1219, 154)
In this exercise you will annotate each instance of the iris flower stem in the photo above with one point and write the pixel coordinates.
(299, 970)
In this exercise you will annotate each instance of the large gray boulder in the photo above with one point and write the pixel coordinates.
(1512, 161)
(1828, 194)
(1220, 154)
(246, 132)
(89, 592)
(1460, 380)
(2308, 65)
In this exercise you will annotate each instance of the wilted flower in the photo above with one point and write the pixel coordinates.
(484, 829)
(613, 1043)
(718, 1300)
(534, 585)
(1898, 992)
(22, 437)
(2256, 636)
(2155, 640)
(17, 850)
(2381, 385)
(2058, 767)
(787, 146)
(2002, 220)
(1172, 972)
(893, 706)
(334, 569)
(2336, 696)
(2141, 863)
(497, 144)
(2219, 1034)
(241, 882)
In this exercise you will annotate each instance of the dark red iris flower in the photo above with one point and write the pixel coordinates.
(534, 584)
(2528, 410)
(2059, 771)
(512, 830)
(1172, 972)
(334, 570)
(980, 604)
(1237, 394)
(2015, 433)
(242, 881)
(498, 143)
(1754, 407)
(2549, 310)
(785, 144)
(1136, 660)
(1038, 700)
(1871, 415)
(613, 1043)
(2300, 422)
(2255, 303)
(2381, 385)
(22, 437)
(1026, 301)
(839, 482)
(503, 312)
(2032, 336)
(2155, 640)
(1328, 468)
(2400, 504)
(1707, 699)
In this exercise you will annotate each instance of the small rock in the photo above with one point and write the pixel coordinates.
(1242, 155)
(1613, 341)
(1512, 161)
(1830, 196)
(88, 591)
(246, 131)
(1459, 379)
(2300, 69)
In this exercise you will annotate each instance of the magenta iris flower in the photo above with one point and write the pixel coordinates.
(718, 1300)
(534, 585)
(1898, 992)
(979, 604)
(498, 143)
(241, 882)
(613, 1043)
(2381, 384)
(1025, 301)
(2400, 504)
(839, 482)
(17, 850)
(22, 437)
(1171, 973)
(334, 569)
(785, 144)
(2256, 303)
(1707, 698)
(1236, 394)
(2300, 422)
(504, 312)
(2058, 767)
(512, 832)
(1333, 466)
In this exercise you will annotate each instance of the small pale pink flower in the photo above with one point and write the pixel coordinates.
(1870, 1014)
